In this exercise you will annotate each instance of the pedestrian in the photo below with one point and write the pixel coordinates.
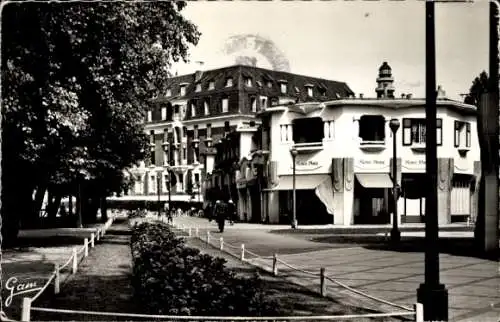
(209, 210)
(220, 211)
(231, 211)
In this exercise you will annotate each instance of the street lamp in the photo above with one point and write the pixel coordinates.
(432, 294)
(294, 152)
(395, 233)
(159, 171)
(166, 147)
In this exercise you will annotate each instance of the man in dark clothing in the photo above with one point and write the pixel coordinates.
(220, 211)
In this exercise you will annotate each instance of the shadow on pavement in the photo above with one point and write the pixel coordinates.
(53, 241)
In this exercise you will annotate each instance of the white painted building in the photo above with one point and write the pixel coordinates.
(344, 152)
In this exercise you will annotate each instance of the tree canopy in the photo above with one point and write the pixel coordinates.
(479, 86)
(77, 79)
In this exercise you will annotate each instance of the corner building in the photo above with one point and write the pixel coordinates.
(214, 108)
(344, 159)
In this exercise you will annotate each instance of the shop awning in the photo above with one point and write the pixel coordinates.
(302, 182)
(374, 180)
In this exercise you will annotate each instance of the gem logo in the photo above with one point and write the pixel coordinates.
(16, 287)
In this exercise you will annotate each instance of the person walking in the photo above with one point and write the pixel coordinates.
(220, 214)
(231, 211)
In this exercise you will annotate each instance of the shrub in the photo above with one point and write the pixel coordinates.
(137, 213)
(170, 278)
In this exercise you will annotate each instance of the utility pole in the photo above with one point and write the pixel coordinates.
(432, 294)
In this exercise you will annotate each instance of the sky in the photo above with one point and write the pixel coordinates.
(348, 41)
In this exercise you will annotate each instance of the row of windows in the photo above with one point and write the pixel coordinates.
(249, 83)
(372, 129)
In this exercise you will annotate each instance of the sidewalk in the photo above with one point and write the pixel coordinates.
(473, 283)
(102, 283)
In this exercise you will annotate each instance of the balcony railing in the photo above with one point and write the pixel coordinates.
(308, 146)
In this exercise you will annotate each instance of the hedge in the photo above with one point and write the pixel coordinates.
(170, 278)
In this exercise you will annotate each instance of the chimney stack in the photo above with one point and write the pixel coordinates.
(361, 95)
(408, 96)
(403, 95)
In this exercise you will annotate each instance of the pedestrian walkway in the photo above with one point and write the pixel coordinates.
(102, 283)
(473, 283)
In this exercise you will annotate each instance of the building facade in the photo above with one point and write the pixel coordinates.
(198, 112)
(343, 159)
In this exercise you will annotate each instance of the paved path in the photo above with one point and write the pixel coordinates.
(102, 282)
(473, 284)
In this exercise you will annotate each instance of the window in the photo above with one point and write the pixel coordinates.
(328, 128)
(225, 105)
(197, 178)
(309, 91)
(163, 113)
(259, 83)
(169, 92)
(209, 131)
(283, 88)
(229, 82)
(308, 130)
(263, 102)
(286, 132)
(152, 137)
(206, 105)
(152, 183)
(184, 153)
(322, 91)
(372, 128)
(152, 156)
(253, 104)
(211, 85)
(183, 90)
(269, 84)
(193, 108)
(150, 116)
(195, 132)
(414, 131)
(198, 87)
(462, 134)
(297, 90)
(248, 82)
(274, 101)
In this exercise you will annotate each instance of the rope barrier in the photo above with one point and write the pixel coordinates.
(367, 295)
(44, 287)
(67, 263)
(246, 251)
(226, 318)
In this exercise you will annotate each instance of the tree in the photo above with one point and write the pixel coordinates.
(479, 86)
(76, 82)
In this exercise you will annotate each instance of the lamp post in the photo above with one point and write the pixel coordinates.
(158, 188)
(293, 152)
(395, 233)
(432, 294)
(166, 148)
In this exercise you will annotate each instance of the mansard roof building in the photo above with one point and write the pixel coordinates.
(198, 110)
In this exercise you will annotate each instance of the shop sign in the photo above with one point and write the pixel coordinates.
(414, 164)
(306, 165)
(371, 164)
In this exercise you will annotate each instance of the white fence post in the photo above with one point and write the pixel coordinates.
(75, 260)
(275, 265)
(419, 312)
(92, 236)
(56, 279)
(322, 281)
(208, 237)
(189, 231)
(86, 247)
(221, 243)
(242, 257)
(26, 309)
(197, 231)
(97, 234)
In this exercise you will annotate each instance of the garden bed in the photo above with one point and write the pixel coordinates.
(171, 278)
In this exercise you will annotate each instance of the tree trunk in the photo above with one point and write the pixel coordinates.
(104, 209)
(38, 200)
(79, 206)
(70, 205)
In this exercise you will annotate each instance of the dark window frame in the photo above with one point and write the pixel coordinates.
(407, 124)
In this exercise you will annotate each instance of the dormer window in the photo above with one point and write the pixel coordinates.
(150, 116)
(322, 91)
(248, 82)
(206, 105)
(183, 90)
(259, 83)
(211, 85)
(198, 87)
(193, 108)
(229, 82)
(269, 84)
(169, 92)
(309, 90)
(297, 90)
(283, 87)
